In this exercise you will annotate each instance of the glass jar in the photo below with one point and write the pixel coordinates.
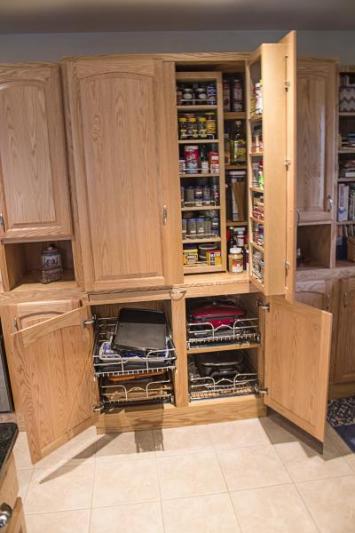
(235, 260)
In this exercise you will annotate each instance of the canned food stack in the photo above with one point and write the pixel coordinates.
(202, 225)
(202, 254)
(196, 93)
(258, 206)
(197, 125)
(199, 159)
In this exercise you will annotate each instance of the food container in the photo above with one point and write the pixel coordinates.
(192, 159)
(203, 249)
(213, 158)
(51, 264)
(214, 258)
(190, 254)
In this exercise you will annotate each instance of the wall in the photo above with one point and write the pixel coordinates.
(51, 47)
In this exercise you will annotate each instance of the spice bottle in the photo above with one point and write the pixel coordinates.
(235, 260)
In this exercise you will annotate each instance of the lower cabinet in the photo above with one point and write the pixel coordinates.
(344, 363)
(65, 367)
(315, 293)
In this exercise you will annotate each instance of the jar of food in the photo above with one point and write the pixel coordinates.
(240, 237)
(211, 93)
(214, 258)
(179, 93)
(187, 96)
(213, 158)
(183, 129)
(192, 159)
(202, 127)
(237, 95)
(191, 228)
(208, 227)
(182, 195)
(182, 166)
(190, 195)
(200, 227)
(206, 191)
(215, 225)
(198, 196)
(190, 253)
(235, 260)
(201, 95)
(184, 228)
(203, 249)
(211, 125)
(226, 95)
(214, 191)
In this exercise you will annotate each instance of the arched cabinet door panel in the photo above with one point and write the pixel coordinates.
(34, 193)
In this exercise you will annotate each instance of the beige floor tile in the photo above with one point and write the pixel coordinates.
(24, 476)
(279, 430)
(130, 518)
(350, 459)
(61, 489)
(21, 452)
(230, 435)
(130, 443)
(276, 509)
(190, 475)
(252, 467)
(304, 463)
(200, 514)
(182, 440)
(65, 522)
(125, 480)
(331, 503)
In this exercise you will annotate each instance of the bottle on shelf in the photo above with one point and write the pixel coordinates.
(238, 145)
(237, 95)
(235, 260)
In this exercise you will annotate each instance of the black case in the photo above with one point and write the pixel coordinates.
(140, 330)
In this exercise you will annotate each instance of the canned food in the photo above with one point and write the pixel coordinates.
(191, 228)
(192, 159)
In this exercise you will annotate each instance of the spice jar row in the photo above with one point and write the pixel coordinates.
(199, 160)
(201, 226)
(256, 99)
(258, 206)
(258, 265)
(233, 94)
(199, 195)
(258, 174)
(208, 254)
(197, 126)
(258, 233)
(196, 93)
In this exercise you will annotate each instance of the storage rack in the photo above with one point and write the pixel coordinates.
(154, 364)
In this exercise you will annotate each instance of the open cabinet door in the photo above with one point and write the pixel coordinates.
(56, 386)
(271, 134)
(297, 351)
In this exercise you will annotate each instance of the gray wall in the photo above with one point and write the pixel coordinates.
(51, 47)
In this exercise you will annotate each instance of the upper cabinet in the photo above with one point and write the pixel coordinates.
(316, 136)
(271, 96)
(123, 138)
(34, 196)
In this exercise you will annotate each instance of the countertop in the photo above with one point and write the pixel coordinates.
(8, 436)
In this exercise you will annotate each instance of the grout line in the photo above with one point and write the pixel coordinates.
(307, 508)
(160, 494)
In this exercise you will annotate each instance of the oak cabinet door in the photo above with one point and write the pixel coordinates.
(344, 364)
(55, 379)
(34, 194)
(316, 139)
(314, 293)
(297, 354)
(125, 165)
(272, 70)
(17, 523)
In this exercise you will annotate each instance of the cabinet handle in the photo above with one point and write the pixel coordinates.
(329, 203)
(5, 515)
(2, 221)
(165, 215)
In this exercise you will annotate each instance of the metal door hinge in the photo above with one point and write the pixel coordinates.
(165, 215)
(287, 266)
(89, 321)
(287, 85)
(2, 221)
(262, 391)
(265, 307)
(287, 164)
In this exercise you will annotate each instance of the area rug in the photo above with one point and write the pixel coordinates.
(341, 416)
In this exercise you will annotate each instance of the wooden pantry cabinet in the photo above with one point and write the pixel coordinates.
(34, 196)
(316, 139)
(122, 132)
(344, 361)
(121, 124)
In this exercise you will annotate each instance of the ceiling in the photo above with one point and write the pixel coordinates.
(44, 16)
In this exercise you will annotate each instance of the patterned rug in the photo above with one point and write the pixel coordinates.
(341, 416)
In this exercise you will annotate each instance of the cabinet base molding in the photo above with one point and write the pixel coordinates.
(341, 390)
(166, 415)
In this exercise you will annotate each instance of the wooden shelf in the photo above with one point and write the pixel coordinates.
(202, 269)
(222, 348)
(350, 151)
(194, 241)
(200, 141)
(236, 224)
(346, 223)
(257, 220)
(30, 281)
(255, 118)
(257, 189)
(236, 167)
(257, 246)
(347, 114)
(257, 283)
(256, 154)
(203, 208)
(197, 107)
(346, 180)
(199, 175)
(234, 115)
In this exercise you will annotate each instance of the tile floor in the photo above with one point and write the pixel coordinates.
(248, 476)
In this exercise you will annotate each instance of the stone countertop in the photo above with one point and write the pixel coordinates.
(8, 436)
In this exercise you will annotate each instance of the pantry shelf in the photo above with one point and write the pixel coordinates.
(203, 208)
(236, 167)
(222, 347)
(346, 223)
(197, 107)
(234, 115)
(199, 141)
(236, 224)
(257, 220)
(347, 114)
(210, 175)
(347, 151)
(209, 239)
(256, 189)
(202, 269)
(256, 154)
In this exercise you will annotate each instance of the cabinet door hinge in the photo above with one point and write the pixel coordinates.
(287, 85)
(261, 305)
(287, 164)
(89, 321)
(262, 391)
(287, 266)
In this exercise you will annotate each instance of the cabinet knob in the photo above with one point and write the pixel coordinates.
(5, 514)
(329, 203)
